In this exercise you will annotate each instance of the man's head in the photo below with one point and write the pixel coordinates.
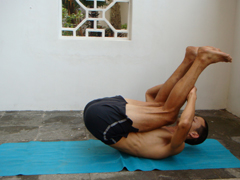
(198, 132)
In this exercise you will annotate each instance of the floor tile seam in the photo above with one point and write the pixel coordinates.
(89, 176)
(38, 133)
(216, 173)
(43, 116)
(4, 112)
(40, 126)
(17, 125)
(156, 176)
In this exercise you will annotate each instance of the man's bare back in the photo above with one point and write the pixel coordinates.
(153, 144)
(148, 134)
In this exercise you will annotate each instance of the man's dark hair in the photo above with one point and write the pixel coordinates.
(203, 133)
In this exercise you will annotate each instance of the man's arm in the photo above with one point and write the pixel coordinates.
(186, 120)
(152, 92)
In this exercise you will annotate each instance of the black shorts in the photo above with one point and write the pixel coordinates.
(106, 119)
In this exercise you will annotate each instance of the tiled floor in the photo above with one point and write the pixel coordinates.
(27, 126)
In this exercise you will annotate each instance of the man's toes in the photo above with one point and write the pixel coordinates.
(229, 58)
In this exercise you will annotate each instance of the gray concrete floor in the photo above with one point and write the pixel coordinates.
(27, 126)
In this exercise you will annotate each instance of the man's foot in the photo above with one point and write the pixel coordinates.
(191, 54)
(211, 55)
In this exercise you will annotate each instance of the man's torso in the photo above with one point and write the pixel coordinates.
(154, 144)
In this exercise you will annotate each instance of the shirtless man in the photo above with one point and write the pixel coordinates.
(141, 128)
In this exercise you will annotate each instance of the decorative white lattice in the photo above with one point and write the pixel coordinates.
(117, 33)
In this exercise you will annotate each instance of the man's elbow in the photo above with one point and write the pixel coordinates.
(184, 124)
(148, 93)
(149, 97)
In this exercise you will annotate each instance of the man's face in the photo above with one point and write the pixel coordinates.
(197, 123)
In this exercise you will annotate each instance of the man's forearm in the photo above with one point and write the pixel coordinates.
(186, 120)
(189, 111)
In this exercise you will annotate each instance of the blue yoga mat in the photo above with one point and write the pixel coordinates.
(91, 156)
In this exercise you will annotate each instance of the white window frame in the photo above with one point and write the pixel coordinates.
(87, 18)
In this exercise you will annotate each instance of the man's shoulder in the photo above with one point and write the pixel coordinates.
(177, 150)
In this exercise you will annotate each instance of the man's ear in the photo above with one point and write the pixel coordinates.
(194, 134)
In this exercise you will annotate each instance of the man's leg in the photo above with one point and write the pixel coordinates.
(150, 118)
(205, 57)
(163, 93)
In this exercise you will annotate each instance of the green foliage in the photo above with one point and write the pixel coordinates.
(124, 26)
(71, 20)
(67, 33)
(72, 16)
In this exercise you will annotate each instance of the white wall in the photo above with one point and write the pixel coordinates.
(40, 71)
(234, 90)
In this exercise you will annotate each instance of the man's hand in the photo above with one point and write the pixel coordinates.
(192, 93)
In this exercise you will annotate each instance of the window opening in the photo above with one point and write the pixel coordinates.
(96, 18)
